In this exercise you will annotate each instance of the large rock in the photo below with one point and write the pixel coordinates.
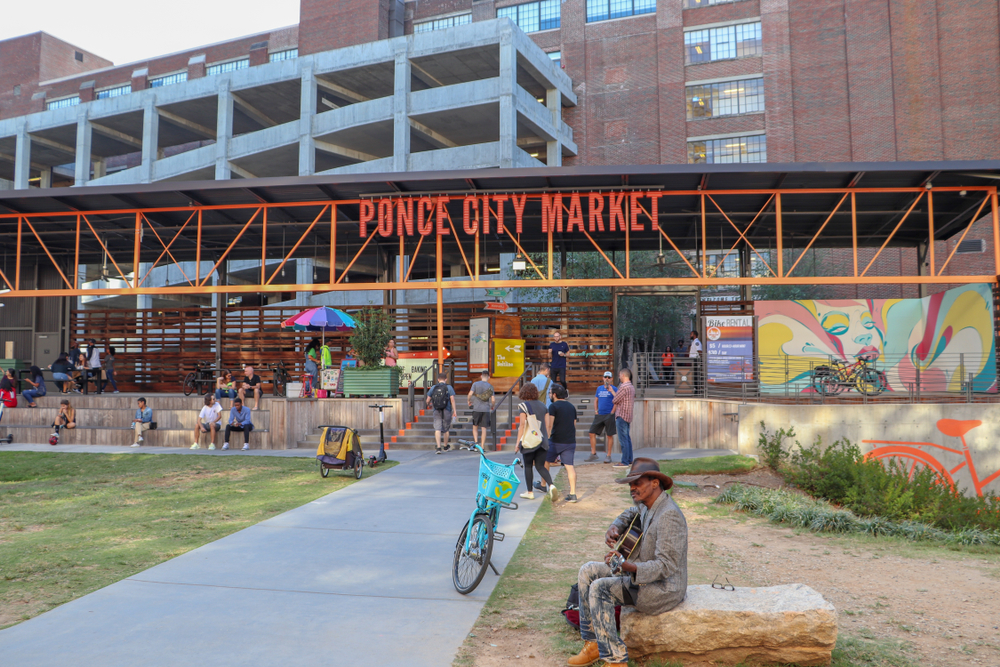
(791, 623)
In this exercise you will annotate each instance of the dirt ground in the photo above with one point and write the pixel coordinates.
(942, 603)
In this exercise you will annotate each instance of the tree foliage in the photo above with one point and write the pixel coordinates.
(371, 336)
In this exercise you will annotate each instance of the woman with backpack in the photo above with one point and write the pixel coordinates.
(533, 440)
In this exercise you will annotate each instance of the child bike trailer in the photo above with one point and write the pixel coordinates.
(339, 449)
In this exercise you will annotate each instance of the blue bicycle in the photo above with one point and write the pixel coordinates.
(497, 484)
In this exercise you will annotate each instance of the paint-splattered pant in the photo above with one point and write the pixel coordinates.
(599, 593)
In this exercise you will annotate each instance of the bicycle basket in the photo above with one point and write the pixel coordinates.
(497, 482)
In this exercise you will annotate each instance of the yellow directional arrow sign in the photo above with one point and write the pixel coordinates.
(508, 357)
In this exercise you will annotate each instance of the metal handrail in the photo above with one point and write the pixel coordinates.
(411, 388)
(518, 383)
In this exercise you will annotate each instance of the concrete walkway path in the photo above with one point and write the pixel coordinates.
(361, 576)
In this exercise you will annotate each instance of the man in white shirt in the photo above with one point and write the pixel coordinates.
(209, 420)
(94, 365)
(694, 352)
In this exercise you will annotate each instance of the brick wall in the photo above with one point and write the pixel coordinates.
(332, 24)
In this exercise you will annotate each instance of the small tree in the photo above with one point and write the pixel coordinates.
(371, 336)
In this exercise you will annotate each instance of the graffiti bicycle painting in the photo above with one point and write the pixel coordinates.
(943, 342)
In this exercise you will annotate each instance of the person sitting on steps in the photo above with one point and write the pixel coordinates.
(209, 420)
(65, 418)
(240, 420)
(653, 578)
(142, 422)
(252, 384)
(224, 387)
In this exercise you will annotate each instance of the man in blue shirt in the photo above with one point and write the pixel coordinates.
(559, 350)
(239, 420)
(142, 422)
(544, 384)
(604, 419)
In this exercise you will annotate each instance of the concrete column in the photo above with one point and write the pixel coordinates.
(508, 107)
(150, 140)
(223, 132)
(307, 111)
(553, 149)
(401, 110)
(100, 168)
(22, 164)
(84, 137)
(46, 178)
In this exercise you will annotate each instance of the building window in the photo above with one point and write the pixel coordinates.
(971, 246)
(168, 80)
(231, 66)
(728, 150)
(728, 98)
(691, 4)
(439, 24)
(602, 10)
(731, 41)
(533, 16)
(78, 56)
(114, 92)
(63, 103)
(555, 56)
(283, 55)
(17, 90)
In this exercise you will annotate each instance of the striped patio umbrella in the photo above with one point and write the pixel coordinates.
(321, 319)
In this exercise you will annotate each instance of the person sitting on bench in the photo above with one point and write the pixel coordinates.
(251, 383)
(239, 420)
(142, 422)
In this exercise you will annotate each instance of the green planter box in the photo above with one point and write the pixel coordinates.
(382, 381)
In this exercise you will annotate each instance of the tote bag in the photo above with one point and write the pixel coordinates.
(532, 437)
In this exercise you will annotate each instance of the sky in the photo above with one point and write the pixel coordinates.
(125, 31)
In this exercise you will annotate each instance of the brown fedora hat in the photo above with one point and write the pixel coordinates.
(646, 468)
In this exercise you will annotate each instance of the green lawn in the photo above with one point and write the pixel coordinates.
(710, 465)
(73, 523)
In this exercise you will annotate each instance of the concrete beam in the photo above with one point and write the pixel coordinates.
(174, 119)
(238, 170)
(334, 149)
(42, 141)
(126, 139)
(456, 96)
(13, 158)
(364, 113)
(253, 112)
(340, 90)
(425, 76)
(436, 138)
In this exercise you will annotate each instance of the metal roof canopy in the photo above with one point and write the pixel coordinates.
(884, 192)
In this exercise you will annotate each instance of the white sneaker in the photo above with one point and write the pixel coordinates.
(212, 446)
(530, 495)
(225, 446)
(140, 438)
(136, 444)
(116, 391)
(246, 447)
(553, 492)
(196, 446)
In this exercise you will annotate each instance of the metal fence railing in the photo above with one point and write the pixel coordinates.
(967, 377)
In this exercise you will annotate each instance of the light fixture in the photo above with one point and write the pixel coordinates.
(519, 263)
(962, 193)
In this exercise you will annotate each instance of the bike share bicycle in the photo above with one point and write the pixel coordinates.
(474, 549)
(840, 376)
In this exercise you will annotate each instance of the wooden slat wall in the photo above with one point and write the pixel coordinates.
(692, 423)
(157, 348)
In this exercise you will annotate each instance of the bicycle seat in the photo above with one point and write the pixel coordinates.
(956, 428)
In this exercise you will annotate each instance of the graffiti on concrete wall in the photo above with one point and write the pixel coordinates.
(943, 341)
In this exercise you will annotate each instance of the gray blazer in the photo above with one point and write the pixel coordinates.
(662, 559)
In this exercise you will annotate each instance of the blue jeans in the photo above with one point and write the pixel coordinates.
(624, 439)
(111, 379)
(31, 394)
(219, 393)
(600, 592)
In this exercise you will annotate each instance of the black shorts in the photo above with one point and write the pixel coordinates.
(560, 451)
(603, 425)
(483, 419)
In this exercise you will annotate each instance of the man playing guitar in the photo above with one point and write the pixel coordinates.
(650, 574)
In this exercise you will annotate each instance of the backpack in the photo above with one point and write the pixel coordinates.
(440, 397)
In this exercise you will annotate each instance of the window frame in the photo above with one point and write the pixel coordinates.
(221, 67)
(543, 23)
(279, 56)
(113, 91)
(712, 91)
(592, 15)
(62, 102)
(167, 79)
(439, 19)
(741, 39)
(709, 147)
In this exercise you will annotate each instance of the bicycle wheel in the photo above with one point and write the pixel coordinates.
(189, 384)
(868, 382)
(823, 381)
(359, 467)
(469, 567)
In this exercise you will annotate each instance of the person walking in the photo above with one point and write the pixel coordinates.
(62, 373)
(624, 403)
(561, 426)
(109, 370)
(559, 350)
(533, 441)
(65, 418)
(142, 422)
(482, 400)
(604, 418)
(667, 361)
(224, 387)
(37, 383)
(209, 420)
(441, 399)
(240, 420)
(93, 366)
(694, 353)
(543, 383)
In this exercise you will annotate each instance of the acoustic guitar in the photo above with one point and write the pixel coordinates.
(626, 545)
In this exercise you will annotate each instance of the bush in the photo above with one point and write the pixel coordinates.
(770, 448)
(883, 491)
(371, 336)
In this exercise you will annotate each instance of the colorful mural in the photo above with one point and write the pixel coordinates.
(945, 336)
